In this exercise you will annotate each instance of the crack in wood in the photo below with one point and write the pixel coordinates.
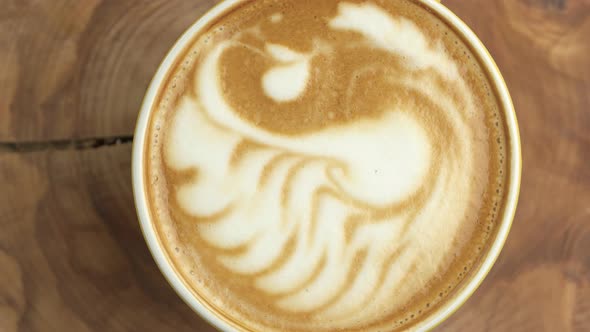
(556, 4)
(59, 145)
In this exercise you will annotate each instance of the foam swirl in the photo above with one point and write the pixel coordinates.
(342, 214)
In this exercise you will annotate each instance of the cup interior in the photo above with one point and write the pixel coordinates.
(443, 311)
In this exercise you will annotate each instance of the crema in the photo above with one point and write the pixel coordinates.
(326, 165)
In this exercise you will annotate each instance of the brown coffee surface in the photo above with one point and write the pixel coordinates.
(326, 165)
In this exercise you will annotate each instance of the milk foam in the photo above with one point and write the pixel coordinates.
(343, 224)
(366, 165)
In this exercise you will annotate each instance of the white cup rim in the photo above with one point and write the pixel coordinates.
(164, 263)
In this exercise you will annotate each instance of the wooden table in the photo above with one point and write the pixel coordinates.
(72, 76)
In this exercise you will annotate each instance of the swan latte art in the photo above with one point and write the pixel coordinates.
(334, 165)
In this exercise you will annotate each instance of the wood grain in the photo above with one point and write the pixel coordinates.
(71, 254)
(72, 257)
(78, 69)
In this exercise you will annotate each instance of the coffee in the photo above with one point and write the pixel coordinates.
(326, 165)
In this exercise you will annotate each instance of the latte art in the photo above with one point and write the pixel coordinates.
(330, 177)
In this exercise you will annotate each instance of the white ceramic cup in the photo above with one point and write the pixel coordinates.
(450, 305)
